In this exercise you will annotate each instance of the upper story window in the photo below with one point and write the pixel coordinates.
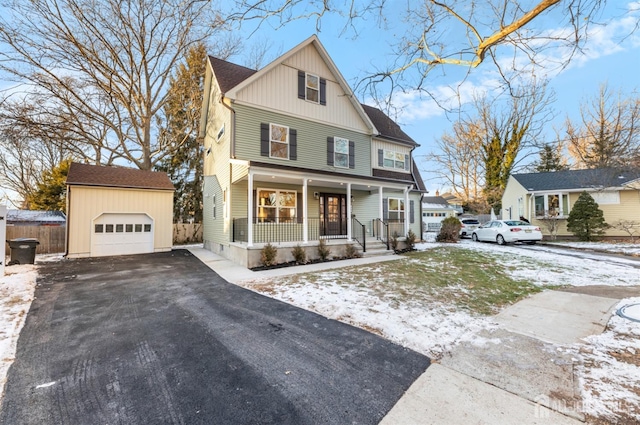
(393, 159)
(278, 141)
(312, 88)
(341, 152)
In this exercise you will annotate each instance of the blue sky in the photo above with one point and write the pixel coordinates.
(612, 56)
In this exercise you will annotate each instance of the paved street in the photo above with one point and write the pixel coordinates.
(161, 338)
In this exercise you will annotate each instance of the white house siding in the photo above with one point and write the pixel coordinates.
(218, 116)
(88, 203)
(512, 193)
(312, 141)
(382, 144)
(214, 234)
(278, 91)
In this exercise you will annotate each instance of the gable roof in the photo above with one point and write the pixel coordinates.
(244, 76)
(229, 74)
(577, 179)
(439, 200)
(29, 216)
(97, 175)
(387, 127)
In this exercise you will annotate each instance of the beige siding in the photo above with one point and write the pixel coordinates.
(512, 193)
(385, 145)
(219, 116)
(278, 91)
(312, 141)
(87, 203)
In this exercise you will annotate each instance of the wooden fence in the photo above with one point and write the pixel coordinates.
(52, 238)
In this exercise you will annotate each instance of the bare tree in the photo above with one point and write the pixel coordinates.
(630, 227)
(463, 33)
(608, 132)
(102, 67)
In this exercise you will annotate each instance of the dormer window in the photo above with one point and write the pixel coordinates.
(312, 88)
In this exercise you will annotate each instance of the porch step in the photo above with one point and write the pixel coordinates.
(375, 248)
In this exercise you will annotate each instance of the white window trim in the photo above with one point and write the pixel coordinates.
(213, 210)
(384, 154)
(220, 133)
(306, 86)
(560, 195)
(401, 213)
(335, 152)
(276, 207)
(277, 141)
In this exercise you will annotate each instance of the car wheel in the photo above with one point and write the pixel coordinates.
(500, 240)
(474, 237)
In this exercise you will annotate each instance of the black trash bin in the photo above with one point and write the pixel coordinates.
(23, 250)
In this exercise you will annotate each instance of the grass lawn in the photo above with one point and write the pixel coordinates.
(476, 282)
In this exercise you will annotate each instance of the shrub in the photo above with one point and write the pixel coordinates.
(411, 240)
(586, 219)
(393, 241)
(299, 254)
(268, 255)
(323, 251)
(351, 251)
(450, 230)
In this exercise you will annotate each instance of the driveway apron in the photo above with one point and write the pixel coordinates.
(162, 339)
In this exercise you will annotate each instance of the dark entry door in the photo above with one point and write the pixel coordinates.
(333, 214)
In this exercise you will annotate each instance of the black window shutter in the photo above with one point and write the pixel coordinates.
(299, 211)
(255, 206)
(380, 157)
(264, 139)
(293, 144)
(385, 209)
(323, 91)
(301, 85)
(352, 154)
(329, 150)
(411, 212)
(406, 162)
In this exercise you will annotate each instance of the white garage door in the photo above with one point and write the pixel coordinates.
(121, 234)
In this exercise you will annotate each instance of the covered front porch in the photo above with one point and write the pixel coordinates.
(285, 206)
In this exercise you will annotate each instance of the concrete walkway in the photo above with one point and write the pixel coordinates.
(519, 377)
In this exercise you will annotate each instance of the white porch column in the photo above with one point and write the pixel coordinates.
(406, 210)
(349, 212)
(305, 215)
(250, 210)
(380, 208)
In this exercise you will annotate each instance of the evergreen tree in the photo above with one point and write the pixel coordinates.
(182, 112)
(51, 192)
(550, 160)
(586, 220)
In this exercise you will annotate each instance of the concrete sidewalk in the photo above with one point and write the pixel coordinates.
(520, 379)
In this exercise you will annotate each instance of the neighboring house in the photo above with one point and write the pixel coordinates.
(35, 218)
(453, 200)
(117, 211)
(434, 210)
(292, 157)
(537, 196)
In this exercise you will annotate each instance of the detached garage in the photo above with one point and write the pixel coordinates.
(117, 211)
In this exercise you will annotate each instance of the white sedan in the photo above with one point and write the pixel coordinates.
(507, 231)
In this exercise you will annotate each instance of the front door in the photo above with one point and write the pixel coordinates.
(333, 215)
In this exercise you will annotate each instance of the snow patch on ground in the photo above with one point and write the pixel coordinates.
(610, 371)
(16, 294)
(613, 247)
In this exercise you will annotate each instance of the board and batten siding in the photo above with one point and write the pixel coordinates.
(377, 144)
(278, 90)
(311, 141)
(88, 203)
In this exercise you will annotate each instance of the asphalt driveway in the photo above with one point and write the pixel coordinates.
(162, 339)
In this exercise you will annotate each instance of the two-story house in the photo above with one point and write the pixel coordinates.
(292, 157)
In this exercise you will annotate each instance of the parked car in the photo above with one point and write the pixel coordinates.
(507, 231)
(468, 226)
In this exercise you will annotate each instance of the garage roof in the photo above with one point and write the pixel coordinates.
(112, 176)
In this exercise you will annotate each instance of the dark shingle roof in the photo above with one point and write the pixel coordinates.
(28, 216)
(229, 74)
(386, 126)
(576, 179)
(96, 175)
